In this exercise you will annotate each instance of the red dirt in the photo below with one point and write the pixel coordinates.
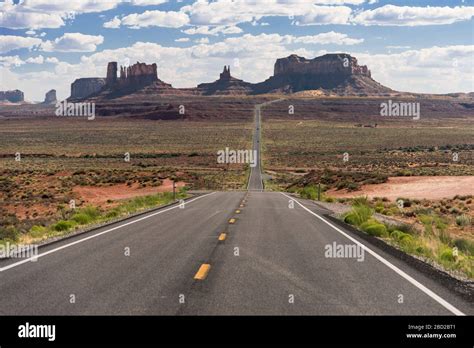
(416, 187)
(99, 195)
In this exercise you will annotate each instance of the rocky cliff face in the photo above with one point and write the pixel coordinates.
(225, 85)
(50, 97)
(85, 87)
(332, 73)
(339, 63)
(131, 77)
(15, 96)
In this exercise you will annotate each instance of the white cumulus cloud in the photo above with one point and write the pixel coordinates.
(73, 42)
(12, 42)
(8, 61)
(390, 15)
(208, 30)
(169, 19)
(113, 23)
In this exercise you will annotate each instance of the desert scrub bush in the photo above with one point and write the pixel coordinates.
(431, 220)
(329, 199)
(9, 233)
(82, 219)
(374, 228)
(37, 231)
(352, 186)
(464, 245)
(463, 220)
(361, 200)
(406, 228)
(358, 215)
(400, 236)
(63, 225)
(445, 254)
(309, 192)
(91, 211)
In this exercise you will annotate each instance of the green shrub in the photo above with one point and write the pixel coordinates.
(399, 235)
(464, 245)
(9, 233)
(90, 211)
(358, 215)
(463, 220)
(37, 231)
(113, 213)
(374, 228)
(361, 200)
(82, 219)
(352, 186)
(63, 225)
(407, 229)
(446, 255)
(309, 192)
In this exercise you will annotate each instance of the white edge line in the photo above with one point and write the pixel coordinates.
(34, 258)
(420, 286)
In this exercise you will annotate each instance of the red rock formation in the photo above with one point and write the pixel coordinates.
(339, 63)
(85, 87)
(226, 85)
(111, 78)
(50, 97)
(14, 96)
(225, 75)
(337, 73)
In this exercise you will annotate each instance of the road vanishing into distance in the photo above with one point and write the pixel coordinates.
(243, 253)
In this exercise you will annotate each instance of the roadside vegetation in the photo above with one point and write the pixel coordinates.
(445, 239)
(74, 219)
(440, 232)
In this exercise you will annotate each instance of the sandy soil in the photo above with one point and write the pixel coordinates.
(99, 195)
(417, 187)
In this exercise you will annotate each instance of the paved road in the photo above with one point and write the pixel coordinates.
(273, 260)
(280, 255)
(255, 182)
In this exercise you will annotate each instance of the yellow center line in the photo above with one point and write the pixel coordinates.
(202, 272)
(232, 221)
(237, 211)
(222, 237)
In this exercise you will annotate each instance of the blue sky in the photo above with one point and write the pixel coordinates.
(420, 46)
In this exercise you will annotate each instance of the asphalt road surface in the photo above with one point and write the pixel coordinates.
(255, 182)
(271, 259)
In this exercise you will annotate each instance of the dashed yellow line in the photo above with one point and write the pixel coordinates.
(222, 237)
(237, 211)
(202, 272)
(232, 221)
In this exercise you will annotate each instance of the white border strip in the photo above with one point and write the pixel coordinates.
(34, 258)
(420, 286)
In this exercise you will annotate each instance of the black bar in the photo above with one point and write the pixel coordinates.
(289, 330)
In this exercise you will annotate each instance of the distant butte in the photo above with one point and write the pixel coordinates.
(330, 74)
(225, 85)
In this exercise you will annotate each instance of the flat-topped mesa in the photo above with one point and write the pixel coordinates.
(15, 96)
(336, 63)
(136, 75)
(85, 87)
